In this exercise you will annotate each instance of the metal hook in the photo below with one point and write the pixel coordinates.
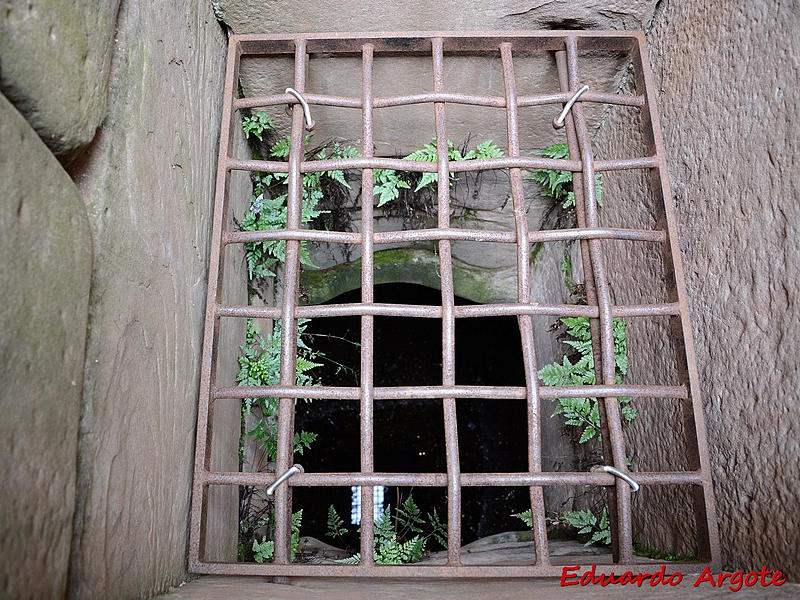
(304, 104)
(617, 473)
(558, 122)
(293, 470)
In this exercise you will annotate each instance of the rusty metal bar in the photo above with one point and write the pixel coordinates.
(367, 298)
(542, 478)
(427, 235)
(591, 293)
(525, 322)
(600, 310)
(451, 391)
(613, 419)
(683, 339)
(291, 282)
(208, 365)
(418, 42)
(423, 571)
(448, 317)
(419, 166)
(463, 311)
(425, 98)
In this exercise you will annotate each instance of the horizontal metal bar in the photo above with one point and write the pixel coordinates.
(438, 571)
(549, 478)
(435, 312)
(311, 98)
(418, 42)
(424, 235)
(309, 235)
(461, 166)
(430, 97)
(456, 391)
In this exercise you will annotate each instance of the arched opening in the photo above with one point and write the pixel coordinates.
(409, 434)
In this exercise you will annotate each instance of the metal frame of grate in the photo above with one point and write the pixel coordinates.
(566, 46)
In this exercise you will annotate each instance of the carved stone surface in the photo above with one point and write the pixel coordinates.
(148, 184)
(730, 124)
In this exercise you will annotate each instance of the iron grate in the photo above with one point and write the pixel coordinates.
(565, 45)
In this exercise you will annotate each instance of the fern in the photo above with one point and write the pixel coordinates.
(584, 413)
(526, 517)
(557, 184)
(336, 528)
(265, 549)
(429, 153)
(439, 528)
(257, 125)
(408, 518)
(392, 544)
(259, 365)
(597, 531)
(387, 185)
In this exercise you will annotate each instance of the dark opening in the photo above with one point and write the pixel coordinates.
(409, 435)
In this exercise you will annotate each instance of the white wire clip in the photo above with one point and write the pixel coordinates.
(304, 104)
(558, 122)
(293, 470)
(617, 473)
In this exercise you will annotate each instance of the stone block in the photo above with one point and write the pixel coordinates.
(54, 62)
(44, 273)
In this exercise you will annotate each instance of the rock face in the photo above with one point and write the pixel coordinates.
(44, 273)
(730, 127)
(401, 130)
(55, 61)
(148, 186)
(248, 16)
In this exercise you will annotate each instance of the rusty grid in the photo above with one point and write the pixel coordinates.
(566, 46)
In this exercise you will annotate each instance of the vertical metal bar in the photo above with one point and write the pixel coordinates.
(291, 276)
(367, 321)
(606, 322)
(694, 420)
(525, 321)
(591, 293)
(208, 366)
(448, 319)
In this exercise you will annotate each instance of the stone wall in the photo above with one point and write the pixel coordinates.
(129, 97)
(725, 76)
(54, 63)
(45, 268)
(148, 184)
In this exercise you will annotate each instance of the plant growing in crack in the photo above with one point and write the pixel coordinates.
(582, 415)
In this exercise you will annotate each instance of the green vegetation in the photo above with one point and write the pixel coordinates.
(584, 413)
(577, 365)
(557, 184)
(400, 539)
(666, 556)
(259, 365)
(268, 209)
(336, 528)
(265, 549)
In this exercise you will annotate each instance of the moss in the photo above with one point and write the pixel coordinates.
(662, 555)
(392, 256)
(536, 249)
(400, 265)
